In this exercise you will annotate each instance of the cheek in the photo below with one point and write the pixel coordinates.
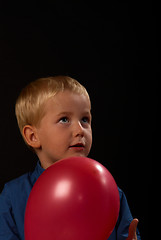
(89, 137)
(61, 133)
(59, 138)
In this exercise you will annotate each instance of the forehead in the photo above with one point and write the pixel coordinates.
(68, 100)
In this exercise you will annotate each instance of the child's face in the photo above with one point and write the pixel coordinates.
(65, 130)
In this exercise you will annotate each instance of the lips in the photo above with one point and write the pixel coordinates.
(77, 146)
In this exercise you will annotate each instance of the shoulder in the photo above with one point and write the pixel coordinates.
(13, 189)
(124, 207)
(21, 186)
(18, 182)
(121, 193)
(123, 199)
(12, 205)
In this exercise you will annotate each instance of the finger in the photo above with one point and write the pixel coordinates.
(132, 229)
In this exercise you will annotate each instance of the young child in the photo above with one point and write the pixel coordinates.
(54, 117)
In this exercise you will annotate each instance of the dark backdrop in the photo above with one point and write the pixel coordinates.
(111, 49)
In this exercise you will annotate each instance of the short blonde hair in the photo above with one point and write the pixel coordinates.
(29, 106)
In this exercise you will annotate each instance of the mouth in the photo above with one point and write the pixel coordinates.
(77, 146)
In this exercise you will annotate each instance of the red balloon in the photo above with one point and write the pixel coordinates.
(74, 199)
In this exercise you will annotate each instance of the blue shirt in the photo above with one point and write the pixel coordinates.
(13, 201)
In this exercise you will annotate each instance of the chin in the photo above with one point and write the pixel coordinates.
(78, 155)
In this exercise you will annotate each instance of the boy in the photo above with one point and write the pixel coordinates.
(54, 117)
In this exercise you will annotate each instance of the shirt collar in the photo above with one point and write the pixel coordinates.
(37, 172)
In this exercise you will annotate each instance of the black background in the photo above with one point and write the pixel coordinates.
(112, 50)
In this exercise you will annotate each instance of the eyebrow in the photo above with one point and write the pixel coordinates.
(64, 113)
(69, 113)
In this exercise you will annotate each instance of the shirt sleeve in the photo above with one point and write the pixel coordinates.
(8, 229)
(124, 219)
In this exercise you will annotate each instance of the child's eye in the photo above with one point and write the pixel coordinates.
(85, 120)
(64, 120)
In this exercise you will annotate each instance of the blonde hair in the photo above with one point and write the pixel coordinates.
(29, 106)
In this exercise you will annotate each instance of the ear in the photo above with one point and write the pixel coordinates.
(31, 137)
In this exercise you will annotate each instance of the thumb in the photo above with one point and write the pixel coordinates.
(132, 230)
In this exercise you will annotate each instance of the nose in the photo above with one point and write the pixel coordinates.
(78, 130)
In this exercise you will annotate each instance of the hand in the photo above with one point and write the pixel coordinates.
(132, 230)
